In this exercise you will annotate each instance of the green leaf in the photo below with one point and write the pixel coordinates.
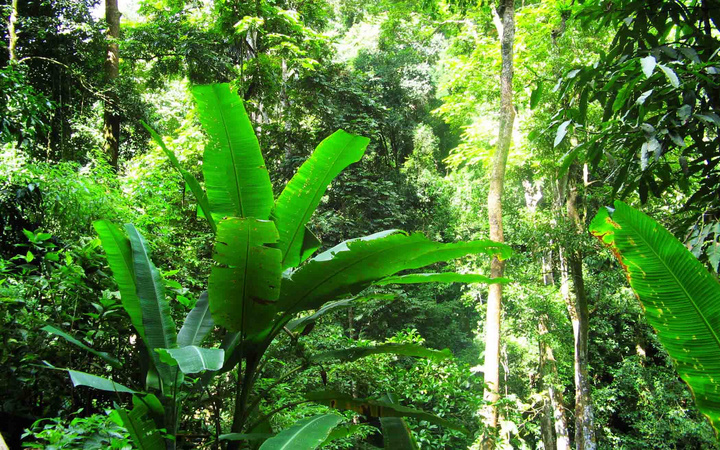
(96, 382)
(236, 179)
(561, 132)
(644, 96)
(396, 434)
(648, 65)
(303, 193)
(680, 298)
(713, 253)
(374, 408)
(157, 321)
(622, 96)
(567, 159)
(243, 293)
(198, 323)
(445, 277)
(305, 434)
(193, 359)
(536, 95)
(142, 430)
(245, 436)
(193, 183)
(119, 255)
(302, 322)
(670, 74)
(102, 355)
(341, 433)
(354, 353)
(150, 401)
(310, 245)
(351, 266)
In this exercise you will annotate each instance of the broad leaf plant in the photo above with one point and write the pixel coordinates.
(265, 282)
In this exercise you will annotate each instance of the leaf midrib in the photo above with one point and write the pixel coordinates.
(297, 433)
(343, 268)
(156, 301)
(305, 215)
(232, 153)
(677, 280)
(205, 312)
(202, 359)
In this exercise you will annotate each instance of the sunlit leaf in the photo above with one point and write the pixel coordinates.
(306, 434)
(680, 298)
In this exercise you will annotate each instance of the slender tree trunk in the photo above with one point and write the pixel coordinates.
(579, 315)
(556, 403)
(111, 125)
(546, 416)
(285, 105)
(12, 32)
(497, 267)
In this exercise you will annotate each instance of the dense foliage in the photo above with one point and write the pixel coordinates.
(616, 103)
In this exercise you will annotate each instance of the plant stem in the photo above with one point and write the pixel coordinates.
(275, 411)
(260, 396)
(241, 397)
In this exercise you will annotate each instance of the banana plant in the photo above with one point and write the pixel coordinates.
(265, 276)
(169, 354)
(680, 298)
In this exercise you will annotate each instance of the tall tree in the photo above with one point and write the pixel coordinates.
(577, 304)
(12, 33)
(111, 122)
(497, 177)
(554, 405)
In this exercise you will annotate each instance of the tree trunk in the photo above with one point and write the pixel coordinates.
(111, 125)
(12, 33)
(497, 267)
(555, 405)
(579, 315)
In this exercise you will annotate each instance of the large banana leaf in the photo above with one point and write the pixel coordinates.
(236, 179)
(354, 353)
(310, 244)
(302, 322)
(445, 277)
(193, 359)
(157, 321)
(244, 436)
(303, 193)
(198, 323)
(681, 299)
(396, 434)
(102, 355)
(375, 408)
(96, 382)
(341, 433)
(242, 294)
(305, 434)
(353, 265)
(194, 185)
(120, 258)
(142, 430)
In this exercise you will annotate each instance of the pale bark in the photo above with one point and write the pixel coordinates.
(577, 305)
(546, 423)
(497, 267)
(555, 402)
(12, 32)
(111, 118)
(546, 417)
